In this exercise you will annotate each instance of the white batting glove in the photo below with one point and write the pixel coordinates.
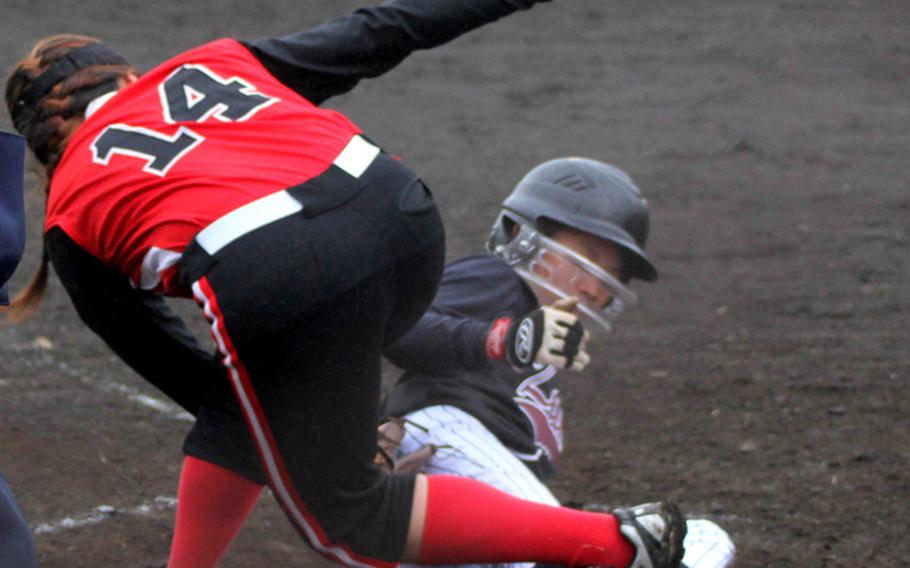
(549, 335)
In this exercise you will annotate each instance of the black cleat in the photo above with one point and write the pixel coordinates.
(657, 530)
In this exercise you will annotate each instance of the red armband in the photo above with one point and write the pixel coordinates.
(496, 338)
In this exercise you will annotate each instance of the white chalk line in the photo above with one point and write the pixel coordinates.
(162, 406)
(132, 394)
(102, 513)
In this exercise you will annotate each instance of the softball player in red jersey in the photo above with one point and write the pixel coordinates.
(217, 176)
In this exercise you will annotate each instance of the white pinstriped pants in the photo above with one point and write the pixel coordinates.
(473, 451)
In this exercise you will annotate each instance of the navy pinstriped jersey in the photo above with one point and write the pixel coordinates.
(445, 363)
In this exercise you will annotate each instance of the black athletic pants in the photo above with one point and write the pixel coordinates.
(301, 309)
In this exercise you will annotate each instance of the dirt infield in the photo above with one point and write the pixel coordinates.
(763, 381)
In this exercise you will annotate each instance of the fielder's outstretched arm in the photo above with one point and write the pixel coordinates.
(331, 58)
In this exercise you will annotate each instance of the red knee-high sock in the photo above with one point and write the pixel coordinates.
(212, 503)
(470, 522)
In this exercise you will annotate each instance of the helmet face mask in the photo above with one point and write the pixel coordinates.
(562, 272)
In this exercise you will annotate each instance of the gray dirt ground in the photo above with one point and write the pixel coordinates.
(763, 381)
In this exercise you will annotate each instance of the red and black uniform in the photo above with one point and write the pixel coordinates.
(196, 138)
(309, 249)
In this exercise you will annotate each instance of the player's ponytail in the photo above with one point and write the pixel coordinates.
(47, 93)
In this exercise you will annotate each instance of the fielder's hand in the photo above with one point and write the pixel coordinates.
(550, 335)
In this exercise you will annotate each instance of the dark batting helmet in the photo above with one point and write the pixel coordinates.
(583, 194)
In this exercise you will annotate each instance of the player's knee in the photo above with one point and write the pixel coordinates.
(370, 522)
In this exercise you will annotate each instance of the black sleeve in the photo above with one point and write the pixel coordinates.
(137, 325)
(441, 343)
(451, 336)
(331, 58)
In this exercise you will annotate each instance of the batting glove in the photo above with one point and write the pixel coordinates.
(549, 335)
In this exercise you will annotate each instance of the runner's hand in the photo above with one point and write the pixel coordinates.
(549, 335)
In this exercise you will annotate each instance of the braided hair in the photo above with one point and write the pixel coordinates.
(47, 93)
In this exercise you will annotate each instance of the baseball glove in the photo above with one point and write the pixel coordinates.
(389, 457)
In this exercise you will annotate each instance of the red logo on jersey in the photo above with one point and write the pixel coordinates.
(544, 412)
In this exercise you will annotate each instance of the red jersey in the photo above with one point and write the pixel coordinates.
(193, 139)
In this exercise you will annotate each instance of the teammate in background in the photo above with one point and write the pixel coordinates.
(573, 230)
(16, 546)
(217, 176)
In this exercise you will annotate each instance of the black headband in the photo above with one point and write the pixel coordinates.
(79, 58)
